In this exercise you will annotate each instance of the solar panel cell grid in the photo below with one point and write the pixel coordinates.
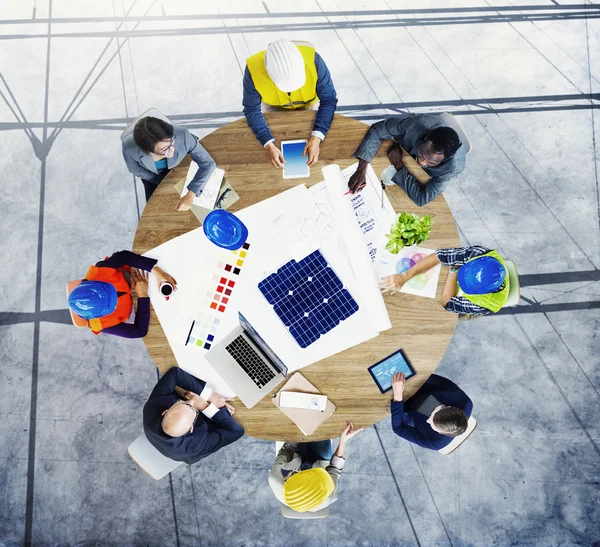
(308, 297)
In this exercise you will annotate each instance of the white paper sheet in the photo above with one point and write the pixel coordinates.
(312, 221)
(357, 249)
(192, 260)
(372, 209)
(210, 193)
(421, 285)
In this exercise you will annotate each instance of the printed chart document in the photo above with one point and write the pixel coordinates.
(210, 193)
(357, 247)
(424, 284)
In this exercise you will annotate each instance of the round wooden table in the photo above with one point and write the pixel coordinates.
(419, 325)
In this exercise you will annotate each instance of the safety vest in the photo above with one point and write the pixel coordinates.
(116, 278)
(492, 301)
(270, 94)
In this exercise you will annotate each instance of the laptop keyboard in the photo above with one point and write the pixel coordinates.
(254, 366)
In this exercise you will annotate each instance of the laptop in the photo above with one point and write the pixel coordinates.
(247, 363)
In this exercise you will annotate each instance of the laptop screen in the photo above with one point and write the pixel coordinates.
(262, 344)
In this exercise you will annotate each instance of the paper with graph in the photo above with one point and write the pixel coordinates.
(424, 284)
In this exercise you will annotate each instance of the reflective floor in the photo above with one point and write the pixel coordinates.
(522, 76)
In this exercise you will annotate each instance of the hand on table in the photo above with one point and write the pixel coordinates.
(220, 401)
(349, 432)
(312, 149)
(392, 283)
(274, 155)
(185, 203)
(395, 156)
(139, 281)
(161, 276)
(398, 381)
(198, 402)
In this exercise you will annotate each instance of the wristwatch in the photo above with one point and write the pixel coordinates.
(453, 269)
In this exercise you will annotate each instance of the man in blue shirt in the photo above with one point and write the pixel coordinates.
(288, 76)
(436, 414)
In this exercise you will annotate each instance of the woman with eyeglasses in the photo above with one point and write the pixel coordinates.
(156, 147)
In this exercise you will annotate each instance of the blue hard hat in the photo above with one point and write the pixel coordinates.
(93, 299)
(225, 230)
(481, 275)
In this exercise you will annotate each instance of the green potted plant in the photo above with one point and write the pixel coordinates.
(409, 229)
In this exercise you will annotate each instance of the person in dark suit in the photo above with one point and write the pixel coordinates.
(436, 414)
(424, 137)
(156, 147)
(190, 429)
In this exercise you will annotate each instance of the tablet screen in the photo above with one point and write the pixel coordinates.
(383, 371)
(295, 165)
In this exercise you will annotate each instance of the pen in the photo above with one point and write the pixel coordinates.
(190, 333)
(358, 189)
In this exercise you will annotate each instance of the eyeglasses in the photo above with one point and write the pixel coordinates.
(167, 148)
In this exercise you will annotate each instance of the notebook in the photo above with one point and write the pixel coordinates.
(210, 192)
(307, 420)
(227, 197)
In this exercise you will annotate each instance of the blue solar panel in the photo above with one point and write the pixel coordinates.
(308, 297)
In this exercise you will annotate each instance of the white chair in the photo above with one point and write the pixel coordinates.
(452, 122)
(457, 441)
(289, 513)
(514, 289)
(153, 112)
(150, 459)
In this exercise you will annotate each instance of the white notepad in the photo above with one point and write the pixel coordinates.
(210, 193)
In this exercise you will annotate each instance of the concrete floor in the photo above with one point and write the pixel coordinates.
(526, 84)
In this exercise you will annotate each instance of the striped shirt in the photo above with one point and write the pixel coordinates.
(457, 256)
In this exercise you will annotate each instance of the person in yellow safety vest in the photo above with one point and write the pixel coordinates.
(478, 283)
(288, 76)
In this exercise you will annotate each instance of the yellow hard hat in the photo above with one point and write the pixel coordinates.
(307, 489)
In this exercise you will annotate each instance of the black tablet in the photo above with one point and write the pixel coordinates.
(383, 371)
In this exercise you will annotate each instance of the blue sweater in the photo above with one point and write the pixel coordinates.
(325, 92)
(413, 426)
(209, 435)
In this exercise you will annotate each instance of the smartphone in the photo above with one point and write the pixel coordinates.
(295, 166)
(307, 401)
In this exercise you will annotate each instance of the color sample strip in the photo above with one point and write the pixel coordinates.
(203, 332)
(234, 260)
(204, 329)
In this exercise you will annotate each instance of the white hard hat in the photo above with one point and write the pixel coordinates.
(285, 65)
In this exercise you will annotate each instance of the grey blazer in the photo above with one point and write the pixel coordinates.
(142, 165)
(409, 130)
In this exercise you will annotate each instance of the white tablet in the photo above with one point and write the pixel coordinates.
(295, 165)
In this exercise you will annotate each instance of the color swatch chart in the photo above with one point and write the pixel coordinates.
(216, 299)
